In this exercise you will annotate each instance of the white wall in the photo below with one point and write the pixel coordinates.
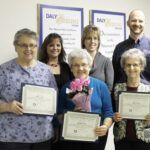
(17, 14)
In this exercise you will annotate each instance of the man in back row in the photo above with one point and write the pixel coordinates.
(137, 39)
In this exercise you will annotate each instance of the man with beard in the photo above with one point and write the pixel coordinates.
(137, 39)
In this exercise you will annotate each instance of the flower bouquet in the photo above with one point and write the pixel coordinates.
(80, 93)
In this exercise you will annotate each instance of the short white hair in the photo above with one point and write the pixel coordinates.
(133, 53)
(79, 53)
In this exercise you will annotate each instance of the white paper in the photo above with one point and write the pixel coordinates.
(134, 105)
(39, 100)
(80, 126)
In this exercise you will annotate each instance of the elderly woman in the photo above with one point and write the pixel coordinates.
(101, 67)
(19, 131)
(132, 134)
(80, 63)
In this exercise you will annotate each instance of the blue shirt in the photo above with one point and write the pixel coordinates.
(23, 128)
(100, 99)
(144, 45)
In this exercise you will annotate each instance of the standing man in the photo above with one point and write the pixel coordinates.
(137, 39)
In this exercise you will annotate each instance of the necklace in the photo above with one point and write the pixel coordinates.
(54, 65)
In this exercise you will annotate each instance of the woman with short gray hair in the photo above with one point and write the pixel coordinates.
(18, 130)
(131, 134)
(100, 101)
(79, 53)
(134, 53)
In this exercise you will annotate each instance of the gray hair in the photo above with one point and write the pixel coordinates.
(23, 32)
(133, 53)
(79, 53)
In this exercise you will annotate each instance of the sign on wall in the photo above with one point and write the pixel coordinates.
(66, 21)
(113, 29)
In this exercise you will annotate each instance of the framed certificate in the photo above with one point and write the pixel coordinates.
(39, 100)
(80, 126)
(134, 105)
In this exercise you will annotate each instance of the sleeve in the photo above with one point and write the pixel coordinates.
(107, 110)
(2, 81)
(53, 83)
(115, 64)
(109, 74)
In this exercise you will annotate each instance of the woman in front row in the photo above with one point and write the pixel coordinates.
(132, 134)
(80, 63)
(20, 131)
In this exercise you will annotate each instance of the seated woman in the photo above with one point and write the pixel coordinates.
(80, 63)
(132, 134)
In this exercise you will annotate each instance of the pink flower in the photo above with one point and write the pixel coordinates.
(73, 86)
(86, 82)
(78, 85)
(80, 93)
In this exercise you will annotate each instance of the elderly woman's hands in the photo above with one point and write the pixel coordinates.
(147, 117)
(117, 117)
(101, 130)
(15, 107)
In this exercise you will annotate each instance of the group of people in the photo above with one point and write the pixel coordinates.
(128, 71)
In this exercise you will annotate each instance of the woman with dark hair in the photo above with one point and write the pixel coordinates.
(53, 54)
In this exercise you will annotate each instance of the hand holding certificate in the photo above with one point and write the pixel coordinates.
(80, 126)
(39, 100)
(134, 105)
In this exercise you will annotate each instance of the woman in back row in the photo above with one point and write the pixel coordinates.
(53, 54)
(102, 67)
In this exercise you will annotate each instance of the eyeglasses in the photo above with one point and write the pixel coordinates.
(92, 38)
(132, 65)
(25, 46)
(80, 65)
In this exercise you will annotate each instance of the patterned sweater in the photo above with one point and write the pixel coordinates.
(142, 127)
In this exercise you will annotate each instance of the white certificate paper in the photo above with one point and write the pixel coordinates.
(80, 126)
(134, 105)
(39, 100)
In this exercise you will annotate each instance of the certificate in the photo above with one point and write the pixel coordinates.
(80, 126)
(134, 105)
(39, 100)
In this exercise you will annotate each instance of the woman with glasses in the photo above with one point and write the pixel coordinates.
(101, 67)
(131, 134)
(20, 131)
(80, 63)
